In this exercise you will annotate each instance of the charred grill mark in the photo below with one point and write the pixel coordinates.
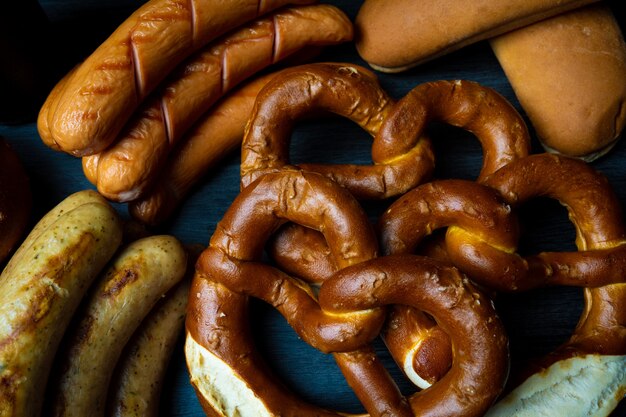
(9, 381)
(43, 299)
(120, 281)
(181, 10)
(83, 331)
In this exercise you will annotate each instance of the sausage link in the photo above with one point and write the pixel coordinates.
(128, 168)
(139, 375)
(42, 287)
(125, 293)
(108, 86)
(137, 383)
(215, 136)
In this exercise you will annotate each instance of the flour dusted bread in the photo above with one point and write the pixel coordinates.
(569, 74)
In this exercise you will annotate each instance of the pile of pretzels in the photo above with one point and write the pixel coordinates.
(341, 281)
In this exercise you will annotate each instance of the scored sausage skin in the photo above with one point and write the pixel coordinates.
(129, 167)
(95, 103)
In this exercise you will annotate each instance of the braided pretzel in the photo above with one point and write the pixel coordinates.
(228, 271)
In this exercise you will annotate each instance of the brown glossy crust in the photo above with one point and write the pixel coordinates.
(95, 103)
(432, 28)
(471, 106)
(569, 74)
(480, 346)
(497, 125)
(344, 89)
(482, 111)
(229, 270)
(408, 328)
(129, 167)
(15, 200)
(217, 315)
(597, 216)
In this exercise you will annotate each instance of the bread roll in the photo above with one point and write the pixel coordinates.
(393, 36)
(569, 75)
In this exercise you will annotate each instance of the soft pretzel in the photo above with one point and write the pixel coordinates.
(481, 240)
(504, 138)
(217, 335)
(479, 368)
(497, 125)
(596, 213)
(129, 167)
(596, 351)
(345, 89)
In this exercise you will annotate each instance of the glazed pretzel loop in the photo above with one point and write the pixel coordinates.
(476, 108)
(344, 89)
(480, 347)
(229, 271)
(482, 236)
(599, 264)
(482, 233)
(309, 200)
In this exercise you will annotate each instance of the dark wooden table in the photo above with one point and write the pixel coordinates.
(69, 30)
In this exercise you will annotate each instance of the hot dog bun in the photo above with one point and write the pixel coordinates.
(569, 74)
(393, 36)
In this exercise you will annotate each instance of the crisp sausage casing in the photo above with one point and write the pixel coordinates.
(41, 288)
(93, 105)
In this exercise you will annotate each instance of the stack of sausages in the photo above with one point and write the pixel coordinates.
(133, 102)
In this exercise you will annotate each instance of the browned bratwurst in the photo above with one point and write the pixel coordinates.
(95, 102)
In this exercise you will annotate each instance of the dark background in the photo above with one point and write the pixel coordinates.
(39, 42)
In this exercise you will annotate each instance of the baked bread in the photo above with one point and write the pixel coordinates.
(569, 75)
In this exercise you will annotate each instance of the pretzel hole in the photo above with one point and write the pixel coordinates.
(311, 143)
(316, 380)
(545, 226)
(458, 152)
(554, 313)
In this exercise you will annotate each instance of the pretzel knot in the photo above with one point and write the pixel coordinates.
(482, 233)
(347, 90)
(481, 240)
(349, 314)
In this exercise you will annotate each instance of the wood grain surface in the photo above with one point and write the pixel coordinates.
(537, 321)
